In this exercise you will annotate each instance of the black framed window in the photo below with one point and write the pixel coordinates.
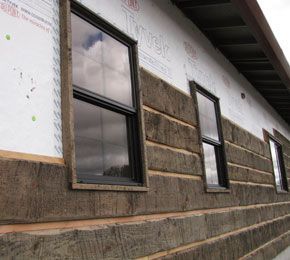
(212, 139)
(104, 71)
(278, 164)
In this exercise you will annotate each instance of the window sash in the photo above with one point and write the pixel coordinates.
(220, 163)
(218, 144)
(278, 169)
(118, 35)
(102, 101)
(208, 121)
(132, 138)
(130, 112)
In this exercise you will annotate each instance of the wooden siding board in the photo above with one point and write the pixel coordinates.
(165, 98)
(41, 193)
(243, 157)
(162, 130)
(131, 240)
(170, 161)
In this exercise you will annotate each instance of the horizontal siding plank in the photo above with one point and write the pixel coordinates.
(165, 98)
(170, 161)
(271, 249)
(244, 157)
(165, 131)
(41, 193)
(249, 175)
(233, 245)
(132, 240)
(239, 136)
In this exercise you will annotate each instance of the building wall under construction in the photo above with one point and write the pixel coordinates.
(42, 217)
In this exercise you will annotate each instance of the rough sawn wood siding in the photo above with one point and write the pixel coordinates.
(175, 219)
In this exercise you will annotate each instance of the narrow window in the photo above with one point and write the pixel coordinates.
(278, 165)
(212, 140)
(105, 107)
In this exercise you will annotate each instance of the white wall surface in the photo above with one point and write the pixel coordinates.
(171, 47)
(30, 111)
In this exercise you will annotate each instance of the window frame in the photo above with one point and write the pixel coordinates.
(283, 176)
(219, 146)
(134, 114)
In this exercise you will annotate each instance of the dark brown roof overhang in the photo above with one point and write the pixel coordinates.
(239, 29)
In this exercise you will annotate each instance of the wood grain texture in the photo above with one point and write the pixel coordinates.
(162, 130)
(163, 159)
(66, 89)
(271, 249)
(34, 192)
(241, 137)
(238, 155)
(249, 175)
(235, 244)
(132, 240)
(165, 98)
(41, 192)
(278, 209)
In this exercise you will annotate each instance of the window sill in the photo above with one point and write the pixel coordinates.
(106, 187)
(282, 192)
(217, 190)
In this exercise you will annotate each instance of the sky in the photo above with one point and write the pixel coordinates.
(277, 13)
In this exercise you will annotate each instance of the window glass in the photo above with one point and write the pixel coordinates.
(276, 164)
(210, 164)
(207, 117)
(100, 62)
(211, 134)
(101, 142)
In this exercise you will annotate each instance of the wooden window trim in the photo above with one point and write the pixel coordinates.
(267, 137)
(66, 8)
(224, 186)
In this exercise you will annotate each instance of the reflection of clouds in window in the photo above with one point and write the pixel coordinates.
(210, 164)
(92, 40)
(100, 63)
(101, 140)
(115, 156)
(89, 156)
(95, 158)
(276, 164)
(207, 116)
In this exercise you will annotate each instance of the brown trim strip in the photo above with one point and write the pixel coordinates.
(174, 149)
(169, 117)
(252, 183)
(175, 174)
(31, 157)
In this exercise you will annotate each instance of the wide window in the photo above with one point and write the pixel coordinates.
(212, 140)
(278, 165)
(107, 148)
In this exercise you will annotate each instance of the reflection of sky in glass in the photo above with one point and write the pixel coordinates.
(210, 164)
(276, 164)
(100, 63)
(101, 140)
(207, 117)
